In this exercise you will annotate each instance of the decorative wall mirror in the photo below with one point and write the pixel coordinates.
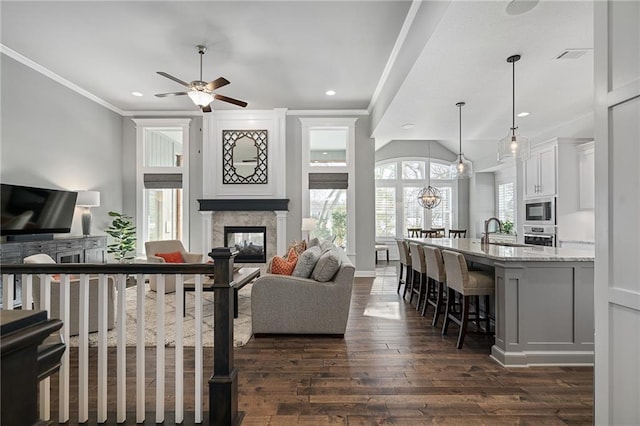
(244, 156)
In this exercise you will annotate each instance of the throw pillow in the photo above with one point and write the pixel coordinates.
(313, 242)
(306, 262)
(299, 247)
(282, 266)
(327, 266)
(173, 257)
(326, 245)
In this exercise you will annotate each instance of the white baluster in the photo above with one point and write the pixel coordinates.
(160, 332)
(83, 350)
(121, 361)
(63, 373)
(198, 349)
(27, 291)
(102, 347)
(45, 385)
(179, 355)
(7, 292)
(140, 350)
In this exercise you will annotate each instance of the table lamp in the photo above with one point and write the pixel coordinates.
(308, 225)
(87, 199)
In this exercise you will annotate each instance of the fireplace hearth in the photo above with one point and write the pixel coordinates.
(250, 241)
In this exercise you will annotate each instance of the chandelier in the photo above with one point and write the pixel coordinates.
(429, 197)
(460, 168)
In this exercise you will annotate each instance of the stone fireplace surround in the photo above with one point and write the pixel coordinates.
(270, 213)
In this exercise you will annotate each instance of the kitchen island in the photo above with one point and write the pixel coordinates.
(543, 300)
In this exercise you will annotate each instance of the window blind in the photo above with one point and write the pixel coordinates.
(162, 180)
(328, 180)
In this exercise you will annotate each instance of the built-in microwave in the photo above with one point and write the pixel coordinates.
(540, 211)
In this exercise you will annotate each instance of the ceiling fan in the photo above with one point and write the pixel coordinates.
(201, 92)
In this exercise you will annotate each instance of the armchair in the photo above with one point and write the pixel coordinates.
(74, 297)
(168, 246)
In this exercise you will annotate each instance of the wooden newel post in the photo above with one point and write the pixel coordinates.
(223, 385)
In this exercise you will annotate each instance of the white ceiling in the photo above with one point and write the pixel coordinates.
(287, 54)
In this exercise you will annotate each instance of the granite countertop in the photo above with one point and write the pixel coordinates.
(522, 252)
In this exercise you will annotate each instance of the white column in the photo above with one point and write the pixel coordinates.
(281, 231)
(207, 232)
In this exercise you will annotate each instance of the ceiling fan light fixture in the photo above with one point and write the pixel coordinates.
(200, 98)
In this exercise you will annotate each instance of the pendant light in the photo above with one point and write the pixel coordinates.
(429, 197)
(513, 145)
(461, 168)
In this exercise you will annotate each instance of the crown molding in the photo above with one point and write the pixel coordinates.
(177, 113)
(57, 78)
(327, 112)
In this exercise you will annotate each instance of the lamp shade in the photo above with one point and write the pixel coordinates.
(88, 199)
(308, 224)
(200, 98)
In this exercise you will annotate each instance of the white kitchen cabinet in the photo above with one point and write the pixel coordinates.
(586, 170)
(540, 171)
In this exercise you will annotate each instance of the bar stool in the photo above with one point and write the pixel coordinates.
(419, 266)
(405, 263)
(437, 278)
(466, 283)
(457, 233)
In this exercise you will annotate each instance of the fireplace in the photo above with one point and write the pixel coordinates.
(250, 241)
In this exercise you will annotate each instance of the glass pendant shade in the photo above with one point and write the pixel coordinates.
(200, 98)
(513, 146)
(429, 197)
(460, 168)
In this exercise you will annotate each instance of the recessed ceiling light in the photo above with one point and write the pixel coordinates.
(136, 94)
(408, 126)
(519, 7)
(523, 114)
(330, 92)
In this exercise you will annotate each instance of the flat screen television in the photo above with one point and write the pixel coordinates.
(27, 210)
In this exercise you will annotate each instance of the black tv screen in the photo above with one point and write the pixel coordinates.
(27, 210)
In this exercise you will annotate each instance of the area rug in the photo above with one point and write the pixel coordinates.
(241, 325)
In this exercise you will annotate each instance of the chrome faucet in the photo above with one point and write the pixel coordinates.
(485, 237)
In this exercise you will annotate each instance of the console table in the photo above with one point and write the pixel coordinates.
(76, 249)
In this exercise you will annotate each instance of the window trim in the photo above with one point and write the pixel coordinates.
(349, 123)
(141, 170)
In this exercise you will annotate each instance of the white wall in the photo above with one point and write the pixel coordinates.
(63, 141)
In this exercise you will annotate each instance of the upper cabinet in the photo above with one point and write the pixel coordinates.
(540, 171)
(586, 171)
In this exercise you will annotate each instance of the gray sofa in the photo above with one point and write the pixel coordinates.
(282, 304)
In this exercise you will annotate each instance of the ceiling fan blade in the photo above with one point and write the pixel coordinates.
(206, 108)
(216, 84)
(230, 100)
(166, 95)
(170, 77)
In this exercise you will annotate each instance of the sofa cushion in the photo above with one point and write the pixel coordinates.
(327, 266)
(282, 266)
(307, 262)
(173, 257)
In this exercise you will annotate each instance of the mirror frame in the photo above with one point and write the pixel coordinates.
(229, 175)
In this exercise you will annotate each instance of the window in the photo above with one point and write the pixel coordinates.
(162, 180)
(396, 203)
(506, 202)
(328, 170)
(386, 212)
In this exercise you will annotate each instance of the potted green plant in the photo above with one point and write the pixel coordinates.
(124, 234)
(507, 227)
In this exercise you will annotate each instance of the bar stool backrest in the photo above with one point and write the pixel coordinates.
(435, 264)
(418, 262)
(403, 250)
(456, 269)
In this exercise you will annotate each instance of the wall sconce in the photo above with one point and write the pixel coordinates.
(87, 199)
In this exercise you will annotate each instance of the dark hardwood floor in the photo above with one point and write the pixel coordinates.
(391, 368)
